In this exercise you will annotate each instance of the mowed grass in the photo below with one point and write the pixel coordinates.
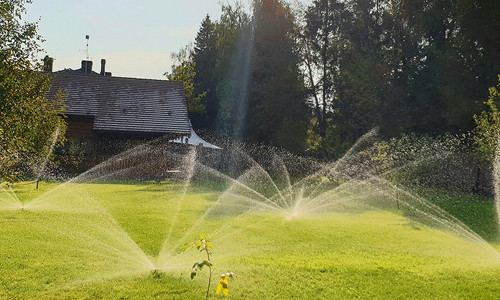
(78, 243)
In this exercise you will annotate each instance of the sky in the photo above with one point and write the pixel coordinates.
(136, 37)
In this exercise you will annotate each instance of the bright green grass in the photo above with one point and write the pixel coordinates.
(477, 212)
(54, 254)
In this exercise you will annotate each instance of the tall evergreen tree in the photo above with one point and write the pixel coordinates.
(205, 80)
(234, 48)
(277, 113)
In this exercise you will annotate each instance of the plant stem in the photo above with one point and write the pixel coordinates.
(209, 273)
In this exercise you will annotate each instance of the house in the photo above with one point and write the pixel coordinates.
(102, 106)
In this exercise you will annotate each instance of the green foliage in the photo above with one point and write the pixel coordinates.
(235, 48)
(277, 111)
(205, 59)
(28, 120)
(185, 73)
(198, 266)
(321, 45)
(488, 123)
(315, 80)
(330, 147)
(248, 68)
(382, 154)
(203, 244)
(406, 66)
(440, 68)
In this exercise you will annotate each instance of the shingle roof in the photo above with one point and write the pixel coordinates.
(125, 104)
(76, 72)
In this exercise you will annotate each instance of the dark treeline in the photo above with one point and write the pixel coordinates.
(313, 79)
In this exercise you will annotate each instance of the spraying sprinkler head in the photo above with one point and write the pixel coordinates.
(156, 273)
(291, 215)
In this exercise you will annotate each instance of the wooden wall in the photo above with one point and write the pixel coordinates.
(80, 127)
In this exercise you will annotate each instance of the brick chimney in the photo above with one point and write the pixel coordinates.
(103, 67)
(87, 67)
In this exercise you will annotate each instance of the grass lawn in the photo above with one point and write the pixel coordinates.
(95, 241)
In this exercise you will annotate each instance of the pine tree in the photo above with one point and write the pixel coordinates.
(277, 112)
(205, 59)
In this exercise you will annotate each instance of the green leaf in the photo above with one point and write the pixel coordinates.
(201, 264)
(207, 263)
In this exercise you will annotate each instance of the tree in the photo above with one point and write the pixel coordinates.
(233, 68)
(205, 79)
(364, 70)
(183, 70)
(344, 69)
(277, 109)
(321, 53)
(404, 66)
(488, 124)
(441, 63)
(28, 120)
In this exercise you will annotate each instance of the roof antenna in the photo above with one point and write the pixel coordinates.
(87, 37)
